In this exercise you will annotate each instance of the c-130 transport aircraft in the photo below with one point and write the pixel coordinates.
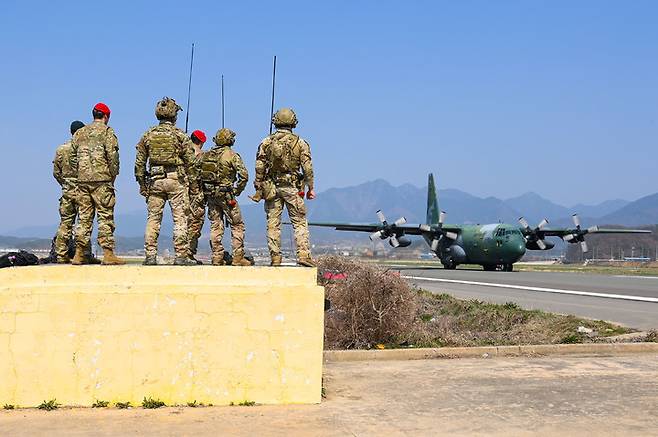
(494, 246)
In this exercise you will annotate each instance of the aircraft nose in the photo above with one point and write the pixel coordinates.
(520, 249)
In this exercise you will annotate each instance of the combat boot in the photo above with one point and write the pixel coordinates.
(276, 260)
(239, 260)
(184, 261)
(218, 260)
(150, 260)
(306, 261)
(110, 259)
(192, 258)
(79, 258)
(63, 259)
(91, 259)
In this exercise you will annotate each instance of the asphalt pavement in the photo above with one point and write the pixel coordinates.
(628, 300)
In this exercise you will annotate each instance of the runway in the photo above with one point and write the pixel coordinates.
(628, 300)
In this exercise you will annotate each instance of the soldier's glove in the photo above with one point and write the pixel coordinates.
(310, 195)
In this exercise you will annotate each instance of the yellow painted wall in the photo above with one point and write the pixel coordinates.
(121, 333)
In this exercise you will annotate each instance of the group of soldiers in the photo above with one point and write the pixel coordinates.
(172, 167)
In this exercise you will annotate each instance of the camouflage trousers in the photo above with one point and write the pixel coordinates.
(95, 198)
(218, 209)
(195, 221)
(287, 196)
(68, 210)
(161, 191)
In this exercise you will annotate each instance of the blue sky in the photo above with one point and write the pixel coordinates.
(496, 98)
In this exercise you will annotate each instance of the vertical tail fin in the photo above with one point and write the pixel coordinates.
(432, 217)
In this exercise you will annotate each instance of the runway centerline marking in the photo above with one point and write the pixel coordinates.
(539, 289)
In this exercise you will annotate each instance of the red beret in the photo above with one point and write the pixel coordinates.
(199, 135)
(102, 107)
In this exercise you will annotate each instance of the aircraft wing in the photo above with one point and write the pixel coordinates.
(593, 230)
(368, 227)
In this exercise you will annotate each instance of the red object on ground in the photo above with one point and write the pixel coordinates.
(334, 275)
(102, 107)
(199, 135)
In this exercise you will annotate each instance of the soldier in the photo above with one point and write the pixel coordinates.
(198, 202)
(221, 168)
(283, 170)
(68, 206)
(171, 174)
(95, 157)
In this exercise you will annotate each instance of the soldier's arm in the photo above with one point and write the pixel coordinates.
(112, 152)
(189, 163)
(307, 164)
(241, 173)
(57, 168)
(74, 153)
(260, 165)
(140, 161)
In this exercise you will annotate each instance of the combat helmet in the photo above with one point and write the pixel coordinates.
(285, 117)
(167, 109)
(224, 137)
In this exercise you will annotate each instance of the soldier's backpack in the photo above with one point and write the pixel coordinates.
(280, 153)
(215, 166)
(163, 146)
(21, 258)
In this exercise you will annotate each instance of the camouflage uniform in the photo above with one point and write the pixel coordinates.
(221, 168)
(68, 207)
(95, 158)
(171, 173)
(283, 169)
(197, 213)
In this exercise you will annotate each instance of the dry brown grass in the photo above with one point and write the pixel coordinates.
(372, 305)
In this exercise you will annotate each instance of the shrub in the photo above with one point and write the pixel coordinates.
(151, 403)
(369, 304)
(49, 405)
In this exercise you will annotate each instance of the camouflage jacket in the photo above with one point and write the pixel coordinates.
(63, 167)
(185, 154)
(223, 166)
(95, 153)
(300, 160)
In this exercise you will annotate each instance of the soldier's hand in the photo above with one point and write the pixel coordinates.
(310, 195)
(143, 191)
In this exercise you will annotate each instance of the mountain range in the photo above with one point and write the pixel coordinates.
(358, 204)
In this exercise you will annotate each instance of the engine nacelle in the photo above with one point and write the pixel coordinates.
(402, 242)
(457, 253)
(532, 245)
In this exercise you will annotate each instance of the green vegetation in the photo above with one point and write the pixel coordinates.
(195, 404)
(100, 404)
(243, 404)
(151, 403)
(123, 405)
(9, 406)
(49, 405)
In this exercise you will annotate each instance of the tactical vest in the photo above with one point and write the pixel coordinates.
(282, 154)
(163, 147)
(216, 167)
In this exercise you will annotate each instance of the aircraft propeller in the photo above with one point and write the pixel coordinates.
(579, 235)
(389, 231)
(434, 245)
(534, 235)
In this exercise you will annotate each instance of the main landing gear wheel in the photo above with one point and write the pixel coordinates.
(449, 264)
(508, 267)
(489, 267)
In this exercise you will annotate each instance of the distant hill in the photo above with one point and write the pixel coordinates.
(358, 203)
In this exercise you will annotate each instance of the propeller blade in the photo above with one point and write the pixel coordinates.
(381, 216)
(542, 223)
(400, 221)
(425, 228)
(541, 244)
(394, 241)
(524, 222)
(451, 235)
(576, 220)
(568, 237)
(592, 229)
(583, 246)
(442, 217)
(435, 244)
(376, 235)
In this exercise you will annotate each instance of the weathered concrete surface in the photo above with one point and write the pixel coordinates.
(211, 334)
(504, 396)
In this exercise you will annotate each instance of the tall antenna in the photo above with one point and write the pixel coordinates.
(189, 89)
(273, 83)
(222, 101)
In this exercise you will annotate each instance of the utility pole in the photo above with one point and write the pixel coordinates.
(189, 89)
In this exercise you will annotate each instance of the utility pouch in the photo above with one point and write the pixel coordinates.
(157, 172)
(269, 190)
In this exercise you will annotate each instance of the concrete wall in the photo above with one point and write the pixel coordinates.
(211, 334)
